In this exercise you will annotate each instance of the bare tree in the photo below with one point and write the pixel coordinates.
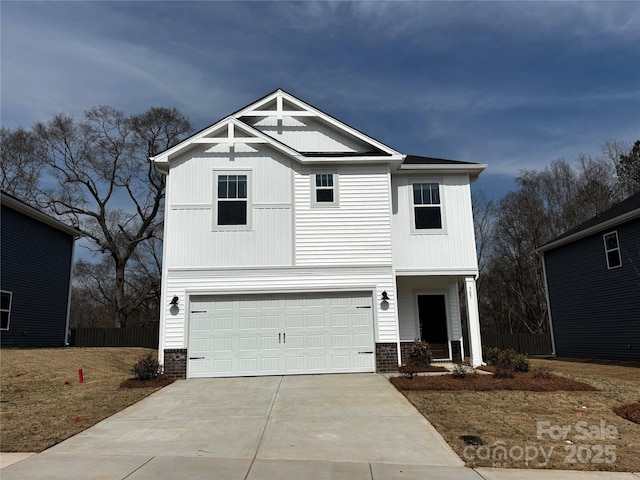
(20, 166)
(546, 203)
(628, 169)
(99, 178)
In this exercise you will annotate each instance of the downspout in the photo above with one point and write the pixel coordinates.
(546, 295)
(67, 332)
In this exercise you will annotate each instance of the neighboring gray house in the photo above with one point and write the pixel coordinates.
(37, 256)
(295, 244)
(592, 275)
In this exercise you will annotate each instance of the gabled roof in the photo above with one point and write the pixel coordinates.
(619, 213)
(254, 123)
(280, 104)
(18, 205)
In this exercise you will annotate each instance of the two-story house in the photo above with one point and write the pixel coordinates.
(297, 244)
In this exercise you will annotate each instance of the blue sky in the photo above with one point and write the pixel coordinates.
(512, 84)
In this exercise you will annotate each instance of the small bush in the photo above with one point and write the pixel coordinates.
(462, 370)
(492, 355)
(420, 354)
(147, 368)
(542, 372)
(521, 363)
(506, 360)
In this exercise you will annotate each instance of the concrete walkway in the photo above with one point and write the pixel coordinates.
(293, 427)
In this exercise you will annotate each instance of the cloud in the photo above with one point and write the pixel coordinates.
(511, 83)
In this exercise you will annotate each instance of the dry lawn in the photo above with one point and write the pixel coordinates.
(38, 409)
(509, 419)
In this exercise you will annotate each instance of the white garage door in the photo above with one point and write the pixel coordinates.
(248, 335)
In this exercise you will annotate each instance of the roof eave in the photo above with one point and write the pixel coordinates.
(36, 214)
(474, 170)
(612, 222)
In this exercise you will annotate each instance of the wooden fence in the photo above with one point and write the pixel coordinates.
(527, 343)
(115, 337)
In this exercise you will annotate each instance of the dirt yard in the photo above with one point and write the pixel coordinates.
(42, 401)
(575, 430)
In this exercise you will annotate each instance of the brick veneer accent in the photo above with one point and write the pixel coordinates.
(404, 352)
(456, 351)
(175, 362)
(386, 357)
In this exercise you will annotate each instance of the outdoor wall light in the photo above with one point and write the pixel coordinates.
(385, 297)
(174, 301)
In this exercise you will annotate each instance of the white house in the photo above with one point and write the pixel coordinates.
(296, 244)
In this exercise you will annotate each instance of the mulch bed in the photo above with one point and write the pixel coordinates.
(430, 368)
(630, 411)
(157, 382)
(484, 382)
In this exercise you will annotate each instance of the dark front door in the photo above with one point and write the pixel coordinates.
(432, 313)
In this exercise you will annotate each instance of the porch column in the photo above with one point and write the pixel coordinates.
(473, 319)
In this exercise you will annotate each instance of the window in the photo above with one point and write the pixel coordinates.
(426, 206)
(325, 191)
(232, 206)
(5, 310)
(612, 250)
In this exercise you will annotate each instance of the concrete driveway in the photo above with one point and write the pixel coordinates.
(312, 427)
(297, 427)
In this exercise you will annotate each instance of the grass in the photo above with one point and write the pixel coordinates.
(43, 403)
(509, 418)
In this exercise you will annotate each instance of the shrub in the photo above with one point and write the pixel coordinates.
(462, 369)
(521, 363)
(506, 360)
(420, 354)
(147, 368)
(542, 372)
(492, 355)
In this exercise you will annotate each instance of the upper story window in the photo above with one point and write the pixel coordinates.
(427, 212)
(325, 189)
(612, 250)
(232, 200)
(5, 310)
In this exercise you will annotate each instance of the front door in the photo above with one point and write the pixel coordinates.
(432, 313)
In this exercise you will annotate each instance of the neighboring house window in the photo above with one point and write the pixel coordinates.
(612, 249)
(427, 212)
(325, 189)
(233, 200)
(5, 310)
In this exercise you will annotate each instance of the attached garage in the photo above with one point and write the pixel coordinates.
(281, 334)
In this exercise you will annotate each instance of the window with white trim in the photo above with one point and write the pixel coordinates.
(612, 250)
(325, 189)
(5, 309)
(232, 200)
(427, 209)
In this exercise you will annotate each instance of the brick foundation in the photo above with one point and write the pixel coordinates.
(386, 357)
(456, 351)
(175, 362)
(404, 352)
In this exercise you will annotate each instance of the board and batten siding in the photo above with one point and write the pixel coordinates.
(357, 232)
(450, 250)
(595, 311)
(191, 190)
(186, 282)
(306, 134)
